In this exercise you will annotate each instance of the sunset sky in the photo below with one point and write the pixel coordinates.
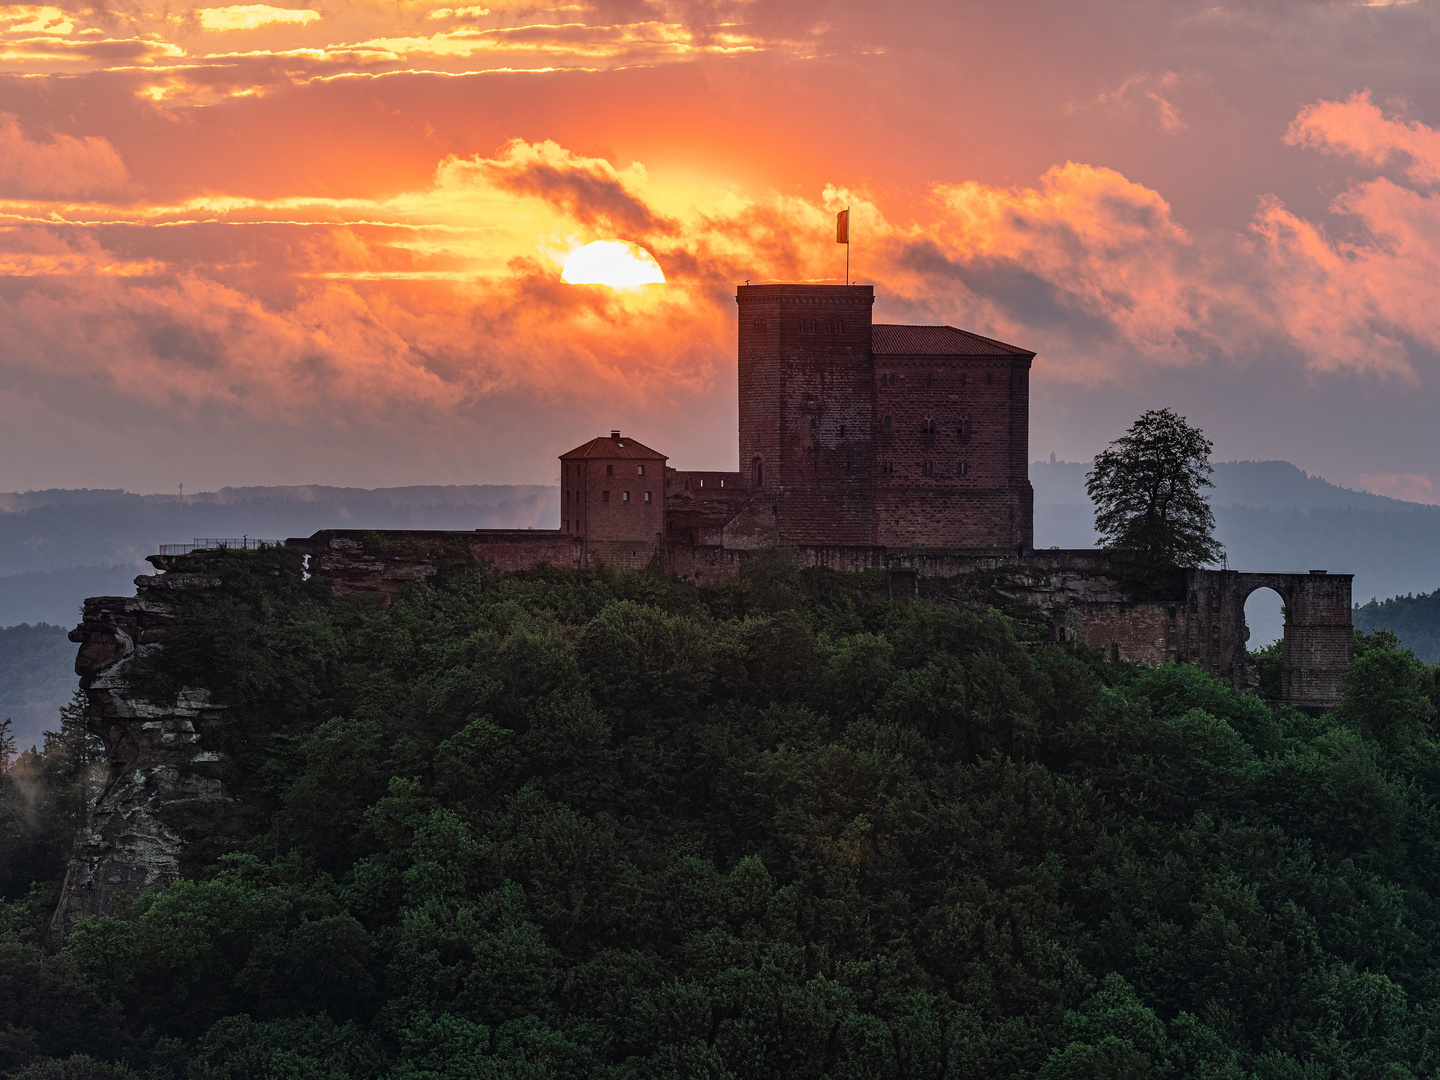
(324, 244)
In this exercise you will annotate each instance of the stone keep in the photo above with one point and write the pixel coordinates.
(865, 434)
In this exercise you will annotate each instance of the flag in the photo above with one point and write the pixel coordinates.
(842, 226)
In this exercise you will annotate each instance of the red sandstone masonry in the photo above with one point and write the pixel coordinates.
(613, 490)
(806, 411)
(892, 449)
(912, 459)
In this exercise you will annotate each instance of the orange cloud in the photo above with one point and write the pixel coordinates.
(1360, 303)
(27, 18)
(1157, 90)
(61, 167)
(1357, 128)
(253, 16)
(320, 311)
(1412, 487)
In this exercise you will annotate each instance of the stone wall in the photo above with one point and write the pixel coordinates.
(1206, 626)
(952, 452)
(384, 562)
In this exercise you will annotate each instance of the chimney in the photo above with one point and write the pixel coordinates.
(615, 434)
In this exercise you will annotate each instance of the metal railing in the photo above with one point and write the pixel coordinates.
(219, 543)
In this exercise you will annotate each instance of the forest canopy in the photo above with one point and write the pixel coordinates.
(1413, 619)
(581, 825)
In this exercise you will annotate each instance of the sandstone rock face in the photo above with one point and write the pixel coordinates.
(158, 769)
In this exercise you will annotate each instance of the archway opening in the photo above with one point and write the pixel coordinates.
(1264, 618)
(1264, 629)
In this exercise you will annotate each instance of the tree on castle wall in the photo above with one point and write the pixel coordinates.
(1148, 489)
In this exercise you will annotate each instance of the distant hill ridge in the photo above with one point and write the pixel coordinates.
(56, 530)
(1260, 485)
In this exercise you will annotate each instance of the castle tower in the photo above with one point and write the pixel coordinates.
(952, 451)
(862, 434)
(612, 496)
(806, 414)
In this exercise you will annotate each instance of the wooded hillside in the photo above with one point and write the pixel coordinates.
(562, 825)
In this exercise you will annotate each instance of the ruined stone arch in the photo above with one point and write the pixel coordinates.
(1247, 635)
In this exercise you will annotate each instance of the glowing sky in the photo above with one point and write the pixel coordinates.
(324, 243)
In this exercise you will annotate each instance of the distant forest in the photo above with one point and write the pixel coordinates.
(1415, 620)
(37, 677)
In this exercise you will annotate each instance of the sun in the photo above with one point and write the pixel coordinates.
(616, 263)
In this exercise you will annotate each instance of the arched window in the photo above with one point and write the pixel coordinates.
(885, 425)
(757, 473)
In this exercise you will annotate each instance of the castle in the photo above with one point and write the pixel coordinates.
(852, 435)
(875, 447)
(898, 450)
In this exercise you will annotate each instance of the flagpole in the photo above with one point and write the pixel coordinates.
(847, 245)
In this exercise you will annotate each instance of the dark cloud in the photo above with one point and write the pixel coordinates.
(591, 197)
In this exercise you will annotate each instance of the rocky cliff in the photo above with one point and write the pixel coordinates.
(161, 773)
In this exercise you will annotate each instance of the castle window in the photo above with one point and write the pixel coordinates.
(639, 470)
(989, 378)
(624, 496)
(963, 469)
(885, 425)
(842, 431)
(927, 426)
(605, 497)
(964, 427)
(609, 470)
(647, 496)
(929, 380)
(760, 326)
(927, 468)
(757, 473)
(962, 378)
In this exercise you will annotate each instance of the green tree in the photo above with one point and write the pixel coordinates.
(1147, 487)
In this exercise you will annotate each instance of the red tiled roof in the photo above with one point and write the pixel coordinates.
(612, 448)
(890, 339)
